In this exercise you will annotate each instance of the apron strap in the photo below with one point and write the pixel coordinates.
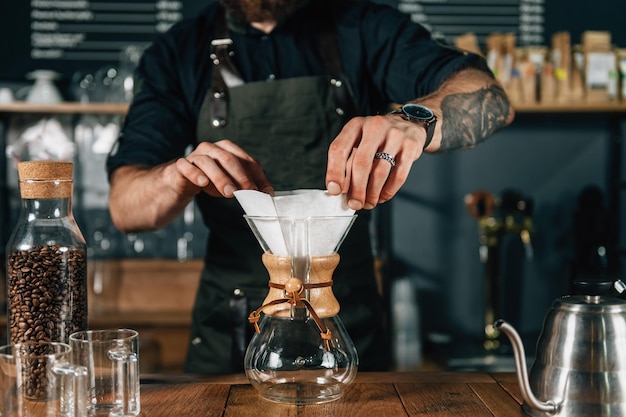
(239, 335)
(344, 99)
(226, 75)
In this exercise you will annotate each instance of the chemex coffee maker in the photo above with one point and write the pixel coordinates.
(300, 352)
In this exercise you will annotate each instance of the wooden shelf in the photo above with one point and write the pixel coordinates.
(64, 108)
(147, 290)
(122, 108)
(609, 107)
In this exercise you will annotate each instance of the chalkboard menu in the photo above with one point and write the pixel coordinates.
(447, 19)
(69, 35)
(532, 21)
(64, 35)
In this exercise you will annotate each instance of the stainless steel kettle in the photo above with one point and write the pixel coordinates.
(580, 365)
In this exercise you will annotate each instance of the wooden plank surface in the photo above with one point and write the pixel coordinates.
(510, 384)
(244, 401)
(441, 399)
(361, 378)
(185, 400)
(423, 376)
(230, 379)
(363, 400)
(499, 402)
(384, 394)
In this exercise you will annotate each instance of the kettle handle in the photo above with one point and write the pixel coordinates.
(522, 373)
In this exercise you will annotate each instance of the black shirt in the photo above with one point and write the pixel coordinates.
(386, 58)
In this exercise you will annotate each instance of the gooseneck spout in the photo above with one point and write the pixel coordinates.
(522, 373)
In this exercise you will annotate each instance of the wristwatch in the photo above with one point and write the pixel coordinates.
(422, 114)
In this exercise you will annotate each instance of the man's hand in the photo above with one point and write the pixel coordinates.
(353, 169)
(219, 169)
(149, 198)
(470, 106)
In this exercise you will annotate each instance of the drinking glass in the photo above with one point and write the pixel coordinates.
(112, 361)
(37, 379)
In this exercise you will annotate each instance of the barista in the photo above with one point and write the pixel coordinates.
(280, 95)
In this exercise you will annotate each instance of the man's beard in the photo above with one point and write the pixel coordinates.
(262, 10)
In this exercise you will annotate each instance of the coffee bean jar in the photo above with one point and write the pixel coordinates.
(46, 258)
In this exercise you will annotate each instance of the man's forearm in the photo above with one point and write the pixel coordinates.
(470, 118)
(141, 199)
(471, 106)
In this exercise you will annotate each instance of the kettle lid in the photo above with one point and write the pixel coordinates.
(591, 303)
(598, 295)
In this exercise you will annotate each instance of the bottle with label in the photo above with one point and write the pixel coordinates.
(46, 258)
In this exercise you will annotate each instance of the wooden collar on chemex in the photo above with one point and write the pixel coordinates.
(293, 289)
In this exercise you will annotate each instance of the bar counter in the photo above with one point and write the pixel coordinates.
(395, 394)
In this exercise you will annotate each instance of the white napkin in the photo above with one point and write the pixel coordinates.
(327, 218)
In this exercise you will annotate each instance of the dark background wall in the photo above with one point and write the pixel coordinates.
(550, 159)
(17, 22)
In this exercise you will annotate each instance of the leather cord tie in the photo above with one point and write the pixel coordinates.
(293, 289)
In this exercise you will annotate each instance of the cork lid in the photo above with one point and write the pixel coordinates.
(45, 179)
(44, 170)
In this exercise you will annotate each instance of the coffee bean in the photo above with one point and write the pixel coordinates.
(47, 291)
(47, 295)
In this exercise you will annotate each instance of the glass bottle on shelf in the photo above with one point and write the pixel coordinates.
(46, 258)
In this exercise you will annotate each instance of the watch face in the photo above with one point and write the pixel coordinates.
(419, 112)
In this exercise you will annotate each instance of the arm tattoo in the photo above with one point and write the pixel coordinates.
(470, 118)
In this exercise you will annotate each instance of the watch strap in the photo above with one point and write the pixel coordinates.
(428, 125)
(430, 131)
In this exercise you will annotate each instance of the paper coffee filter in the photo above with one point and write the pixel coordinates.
(310, 203)
(327, 218)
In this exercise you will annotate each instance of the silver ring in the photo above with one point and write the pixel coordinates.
(386, 157)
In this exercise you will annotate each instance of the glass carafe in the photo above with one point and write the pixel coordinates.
(46, 258)
(301, 353)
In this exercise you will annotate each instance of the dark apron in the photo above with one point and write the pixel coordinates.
(287, 126)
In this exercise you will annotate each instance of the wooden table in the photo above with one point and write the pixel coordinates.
(372, 394)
